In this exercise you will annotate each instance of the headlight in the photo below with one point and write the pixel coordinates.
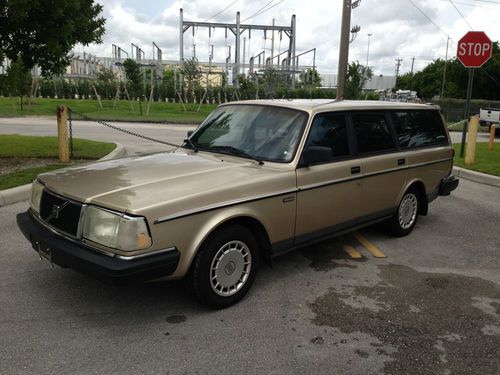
(114, 230)
(36, 195)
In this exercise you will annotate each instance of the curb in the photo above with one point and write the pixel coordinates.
(482, 178)
(21, 193)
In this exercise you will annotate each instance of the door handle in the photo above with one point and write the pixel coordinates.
(401, 161)
(355, 170)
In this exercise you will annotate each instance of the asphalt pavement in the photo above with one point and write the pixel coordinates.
(428, 303)
(431, 305)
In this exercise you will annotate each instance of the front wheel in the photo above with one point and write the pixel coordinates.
(405, 218)
(225, 266)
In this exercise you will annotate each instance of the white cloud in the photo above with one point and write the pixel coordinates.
(399, 29)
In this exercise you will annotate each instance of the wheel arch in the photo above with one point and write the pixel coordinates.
(255, 227)
(420, 186)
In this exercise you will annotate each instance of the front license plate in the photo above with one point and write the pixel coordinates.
(43, 250)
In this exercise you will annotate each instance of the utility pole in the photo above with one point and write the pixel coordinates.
(412, 64)
(344, 48)
(445, 64)
(398, 64)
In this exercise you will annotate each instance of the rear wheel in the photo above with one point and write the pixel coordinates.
(405, 218)
(225, 266)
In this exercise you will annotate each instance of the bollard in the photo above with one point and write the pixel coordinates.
(470, 150)
(62, 133)
(492, 137)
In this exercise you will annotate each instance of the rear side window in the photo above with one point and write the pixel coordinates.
(330, 130)
(418, 128)
(372, 132)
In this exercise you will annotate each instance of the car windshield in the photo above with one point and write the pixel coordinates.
(254, 131)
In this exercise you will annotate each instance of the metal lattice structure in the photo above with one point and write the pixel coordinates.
(238, 29)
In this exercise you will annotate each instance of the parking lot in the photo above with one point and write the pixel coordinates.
(426, 303)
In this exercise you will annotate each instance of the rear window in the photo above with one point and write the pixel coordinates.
(418, 128)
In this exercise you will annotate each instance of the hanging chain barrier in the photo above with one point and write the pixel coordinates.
(71, 112)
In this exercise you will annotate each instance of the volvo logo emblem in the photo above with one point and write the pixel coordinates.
(56, 211)
(230, 268)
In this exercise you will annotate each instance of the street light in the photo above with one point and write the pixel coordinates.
(368, 49)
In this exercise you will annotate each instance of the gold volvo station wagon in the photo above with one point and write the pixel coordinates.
(255, 180)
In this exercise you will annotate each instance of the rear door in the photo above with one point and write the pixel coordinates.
(383, 165)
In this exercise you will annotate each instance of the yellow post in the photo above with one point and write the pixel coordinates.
(492, 137)
(470, 150)
(62, 133)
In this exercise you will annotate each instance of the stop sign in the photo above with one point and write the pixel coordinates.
(474, 49)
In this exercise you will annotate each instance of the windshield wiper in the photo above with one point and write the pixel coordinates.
(191, 144)
(236, 151)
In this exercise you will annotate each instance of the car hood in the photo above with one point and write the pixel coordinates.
(180, 179)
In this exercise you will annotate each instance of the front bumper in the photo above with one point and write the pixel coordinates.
(448, 184)
(67, 253)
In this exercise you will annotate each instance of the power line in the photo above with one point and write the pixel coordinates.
(256, 13)
(487, 2)
(263, 10)
(223, 10)
(474, 5)
(461, 15)
(426, 16)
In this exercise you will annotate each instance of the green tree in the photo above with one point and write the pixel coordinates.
(273, 82)
(168, 84)
(357, 76)
(428, 82)
(191, 73)
(134, 79)
(43, 32)
(106, 83)
(248, 87)
(309, 79)
(18, 80)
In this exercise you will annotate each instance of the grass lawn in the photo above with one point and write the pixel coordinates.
(17, 153)
(160, 112)
(485, 161)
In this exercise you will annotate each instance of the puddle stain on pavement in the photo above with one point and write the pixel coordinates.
(436, 322)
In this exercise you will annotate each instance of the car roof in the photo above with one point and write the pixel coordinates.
(320, 105)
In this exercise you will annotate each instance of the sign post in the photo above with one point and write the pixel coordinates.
(473, 50)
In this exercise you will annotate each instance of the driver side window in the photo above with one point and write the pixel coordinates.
(329, 131)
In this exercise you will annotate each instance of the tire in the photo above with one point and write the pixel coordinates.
(225, 267)
(405, 218)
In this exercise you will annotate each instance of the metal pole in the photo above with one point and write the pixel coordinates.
(236, 67)
(368, 49)
(293, 33)
(244, 50)
(272, 44)
(181, 48)
(467, 109)
(344, 48)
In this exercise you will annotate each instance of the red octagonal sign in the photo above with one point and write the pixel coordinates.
(474, 49)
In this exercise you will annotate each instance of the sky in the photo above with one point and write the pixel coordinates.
(400, 29)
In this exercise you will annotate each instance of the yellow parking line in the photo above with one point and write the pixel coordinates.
(353, 253)
(369, 246)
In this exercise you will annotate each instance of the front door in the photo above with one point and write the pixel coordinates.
(329, 187)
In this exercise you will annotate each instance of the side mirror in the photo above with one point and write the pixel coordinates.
(315, 155)
(190, 133)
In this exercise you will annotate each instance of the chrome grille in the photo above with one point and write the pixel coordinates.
(60, 213)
